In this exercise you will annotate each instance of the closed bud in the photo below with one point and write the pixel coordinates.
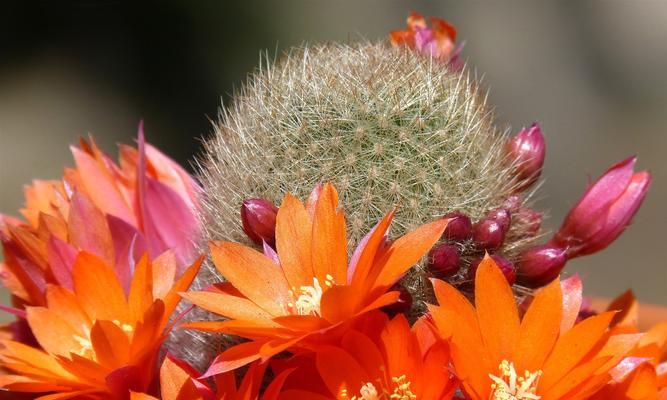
(459, 228)
(402, 305)
(259, 220)
(604, 211)
(505, 266)
(540, 265)
(488, 234)
(444, 260)
(528, 149)
(531, 221)
(503, 216)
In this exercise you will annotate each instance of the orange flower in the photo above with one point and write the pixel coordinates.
(95, 340)
(118, 212)
(438, 41)
(178, 381)
(402, 363)
(304, 294)
(642, 375)
(544, 356)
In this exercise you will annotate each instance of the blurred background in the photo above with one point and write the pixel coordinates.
(594, 74)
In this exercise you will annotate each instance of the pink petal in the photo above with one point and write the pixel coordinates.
(61, 257)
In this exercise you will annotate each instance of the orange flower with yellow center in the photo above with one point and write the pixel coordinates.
(396, 362)
(544, 356)
(303, 294)
(96, 341)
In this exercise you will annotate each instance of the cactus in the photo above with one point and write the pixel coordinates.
(389, 127)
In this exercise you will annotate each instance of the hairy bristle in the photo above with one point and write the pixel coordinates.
(387, 126)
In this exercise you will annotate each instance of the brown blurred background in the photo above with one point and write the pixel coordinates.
(594, 74)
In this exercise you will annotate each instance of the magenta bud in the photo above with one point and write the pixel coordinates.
(402, 305)
(259, 220)
(459, 228)
(528, 148)
(512, 203)
(503, 216)
(488, 234)
(604, 211)
(443, 260)
(540, 265)
(505, 266)
(531, 220)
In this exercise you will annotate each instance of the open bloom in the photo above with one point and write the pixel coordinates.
(306, 292)
(400, 363)
(604, 211)
(178, 381)
(96, 341)
(642, 374)
(438, 41)
(544, 356)
(145, 203)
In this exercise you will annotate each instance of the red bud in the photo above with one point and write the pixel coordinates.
(540, 265)
(528, 149)
(488, 234)
(503, 216)
(402, 305)
(531, 219)
(443, 260)
(459, 227)
(259, 220)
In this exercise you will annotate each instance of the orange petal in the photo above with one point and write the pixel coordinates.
(175, 383)
(141, 396)
(101, 187)
(329, 238)
(111, 344)
(539, 329)
(173, 297)
(572, 299)
(233, 358)
(293, 242)
(628, 309)
(574, 378)
(365, 351)
(164, 273)
(571, 348)
(406, 251)
(340, 371)
(254, 275)
(453, 300)
(229, 305)
(370, 250)
(140, 297)
(52, 331)
(496, 311)
(98, 289)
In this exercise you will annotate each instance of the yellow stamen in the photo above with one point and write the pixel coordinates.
(508, 385)
(399, 390)
(308, 301)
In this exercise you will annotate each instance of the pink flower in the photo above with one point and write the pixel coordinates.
(437, 41)
(604, 211)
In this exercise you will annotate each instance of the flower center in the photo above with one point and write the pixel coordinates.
(309, 297)
(510, 386)
(400, 390)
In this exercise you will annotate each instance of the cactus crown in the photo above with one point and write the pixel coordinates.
(387, 126)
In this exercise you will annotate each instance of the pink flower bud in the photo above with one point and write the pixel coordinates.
(530, 219)
(528, 149)
(503, 216)
(540, 265)
(505, 266)
(604, 210)
(259, 220)
(512, 203)
(488, 234)
(402, 305)
(443, 260)
(459, 227)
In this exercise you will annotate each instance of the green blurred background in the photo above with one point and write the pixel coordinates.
(592, 73)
